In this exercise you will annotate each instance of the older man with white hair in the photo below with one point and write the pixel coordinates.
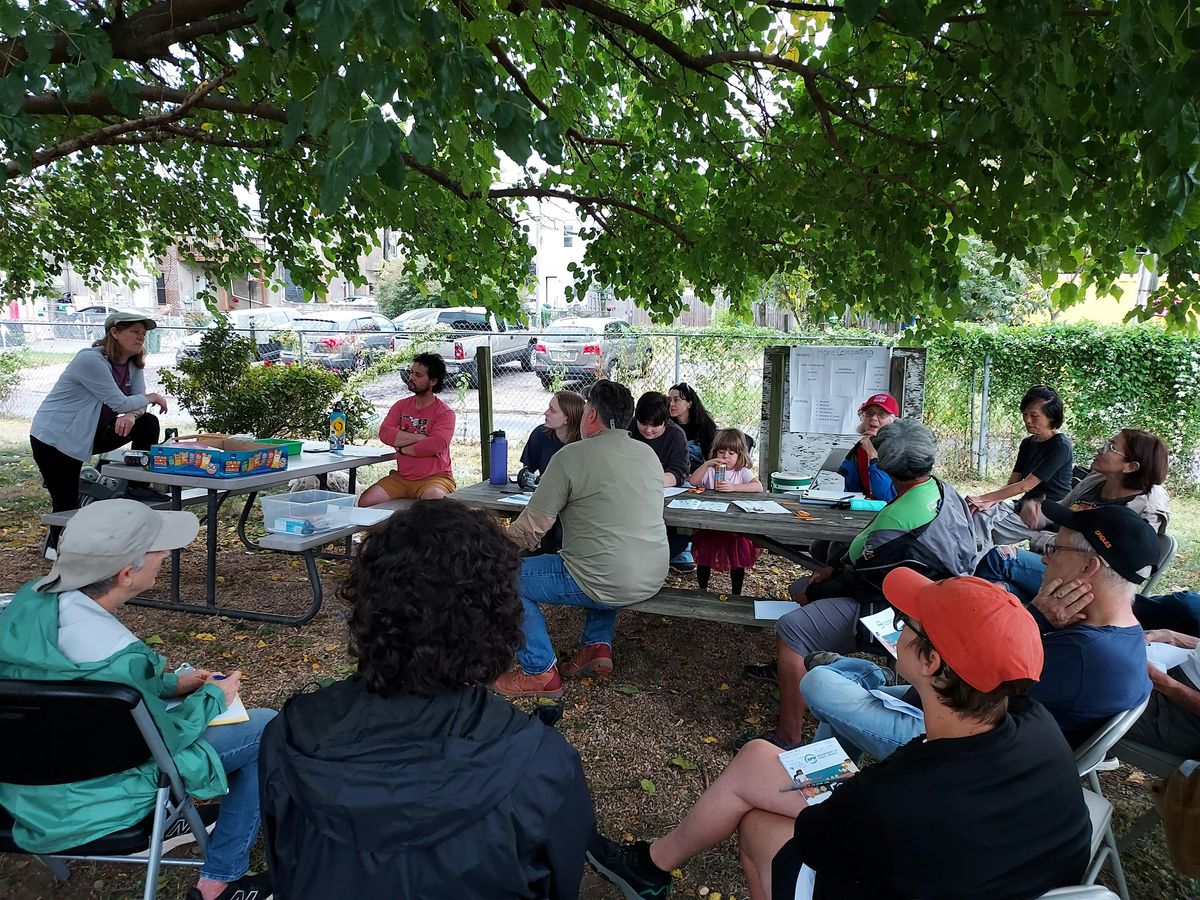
(64, 627)
(1095, 655)
(926, 527)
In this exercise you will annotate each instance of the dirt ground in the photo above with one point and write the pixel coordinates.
(677, 694)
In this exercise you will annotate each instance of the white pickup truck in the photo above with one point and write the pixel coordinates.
(466, 328)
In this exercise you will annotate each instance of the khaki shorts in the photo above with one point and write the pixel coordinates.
(399, 488)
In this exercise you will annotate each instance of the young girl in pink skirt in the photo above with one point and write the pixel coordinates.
(721, 550)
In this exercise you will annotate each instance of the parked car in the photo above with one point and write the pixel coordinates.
(85, 323)
(581, 350)
(263, 323)
(344, 340)
(468, 328)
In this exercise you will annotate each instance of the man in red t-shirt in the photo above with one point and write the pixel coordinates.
(420, 428)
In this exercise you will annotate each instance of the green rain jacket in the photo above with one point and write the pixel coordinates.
(56, 817)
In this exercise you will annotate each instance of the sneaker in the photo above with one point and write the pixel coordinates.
(48, 552)
(517, 684)
(628, 866)
(248, 887)
(765, 672)
(594, 659)
(180, 834)
(683, 563)
(1108, 765)
(771, 737)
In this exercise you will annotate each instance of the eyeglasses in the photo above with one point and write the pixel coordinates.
(901, 621)
(1052, 549)
(1111, 447)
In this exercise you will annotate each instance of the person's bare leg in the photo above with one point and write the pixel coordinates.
(791, 702)
(760, 835)
(432, 493)
(751, 781)
(373, 496)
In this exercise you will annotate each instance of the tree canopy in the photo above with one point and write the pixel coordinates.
(710, 144)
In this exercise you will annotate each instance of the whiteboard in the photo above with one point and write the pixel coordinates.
(828, 384)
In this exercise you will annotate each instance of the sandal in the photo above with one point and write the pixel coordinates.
(764, 672)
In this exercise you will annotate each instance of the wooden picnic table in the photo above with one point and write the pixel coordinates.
(785, 535)
(220, 489)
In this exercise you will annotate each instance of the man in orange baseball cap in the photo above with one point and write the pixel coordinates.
(983, 801)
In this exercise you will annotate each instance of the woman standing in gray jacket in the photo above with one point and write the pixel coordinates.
(98, 404)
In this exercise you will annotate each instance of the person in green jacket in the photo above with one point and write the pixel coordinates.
(62, 627)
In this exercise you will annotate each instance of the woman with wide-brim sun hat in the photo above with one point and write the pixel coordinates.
(99, 403)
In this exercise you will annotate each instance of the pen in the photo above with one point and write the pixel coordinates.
(824, 782)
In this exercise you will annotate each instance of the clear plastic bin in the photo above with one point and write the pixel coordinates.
(283, 513)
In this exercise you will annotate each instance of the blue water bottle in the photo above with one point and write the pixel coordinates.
(498, 454)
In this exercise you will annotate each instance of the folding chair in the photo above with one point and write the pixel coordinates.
(1154, 761)
(1095, 749)
(1167, 545)
(1089, 755)
(61, 732)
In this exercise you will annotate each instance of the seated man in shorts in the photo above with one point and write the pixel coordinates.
(420, 428)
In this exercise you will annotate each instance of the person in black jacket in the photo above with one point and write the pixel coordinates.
(652, 425)
(410, 779)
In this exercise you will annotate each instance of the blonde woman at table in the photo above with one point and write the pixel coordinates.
(727, 470)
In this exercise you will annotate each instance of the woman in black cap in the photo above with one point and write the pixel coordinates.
(98, 404)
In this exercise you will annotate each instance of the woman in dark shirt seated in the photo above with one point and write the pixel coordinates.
(1042, 472)
(653, 426)
(689, 414)
(562, 427)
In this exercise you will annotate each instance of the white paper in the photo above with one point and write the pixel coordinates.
(672, 491)
(761, 506)
(832, 496)
(234, 713)
(517, 499)
(1166, 656)
(706, 505)
(816, 762)
(364, 451)
(770, 610)
(827, 384)
(896, 704)
(881, 628)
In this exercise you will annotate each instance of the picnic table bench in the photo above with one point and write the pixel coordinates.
(784, 535)
(216, 490)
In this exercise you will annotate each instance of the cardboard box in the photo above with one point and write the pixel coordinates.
(216, 456)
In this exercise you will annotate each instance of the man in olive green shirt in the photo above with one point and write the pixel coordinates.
(607, 490)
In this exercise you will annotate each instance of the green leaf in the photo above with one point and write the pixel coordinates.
(648, 786)
(860, 12)
(685, 764)
(420, 145)
(153, 640)
(295, 124)
(629, 689)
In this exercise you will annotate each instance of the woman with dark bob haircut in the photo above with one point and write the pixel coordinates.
(1127, 470)
(1010, 514)
(411, 779)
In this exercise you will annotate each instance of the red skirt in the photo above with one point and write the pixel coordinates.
(723, 551)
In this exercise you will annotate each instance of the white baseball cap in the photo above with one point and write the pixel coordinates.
(106, 536)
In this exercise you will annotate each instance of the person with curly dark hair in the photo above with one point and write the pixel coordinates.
(409, 779)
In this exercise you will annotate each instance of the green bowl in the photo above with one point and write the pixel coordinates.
(294, 448)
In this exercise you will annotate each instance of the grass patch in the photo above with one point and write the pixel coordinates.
(36, 358)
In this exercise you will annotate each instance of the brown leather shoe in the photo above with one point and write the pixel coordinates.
(517, 684)
(594, 659)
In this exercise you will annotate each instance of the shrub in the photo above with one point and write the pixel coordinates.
(226, 391)
(12, 362)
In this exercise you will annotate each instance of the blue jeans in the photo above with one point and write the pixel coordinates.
(228, 855)
(837, 695)
(1020, 574)
(545, 579)
(1179, 611)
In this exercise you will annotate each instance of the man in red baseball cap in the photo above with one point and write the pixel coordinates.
(984, 802)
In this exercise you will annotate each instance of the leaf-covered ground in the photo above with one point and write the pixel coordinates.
(651, 737)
